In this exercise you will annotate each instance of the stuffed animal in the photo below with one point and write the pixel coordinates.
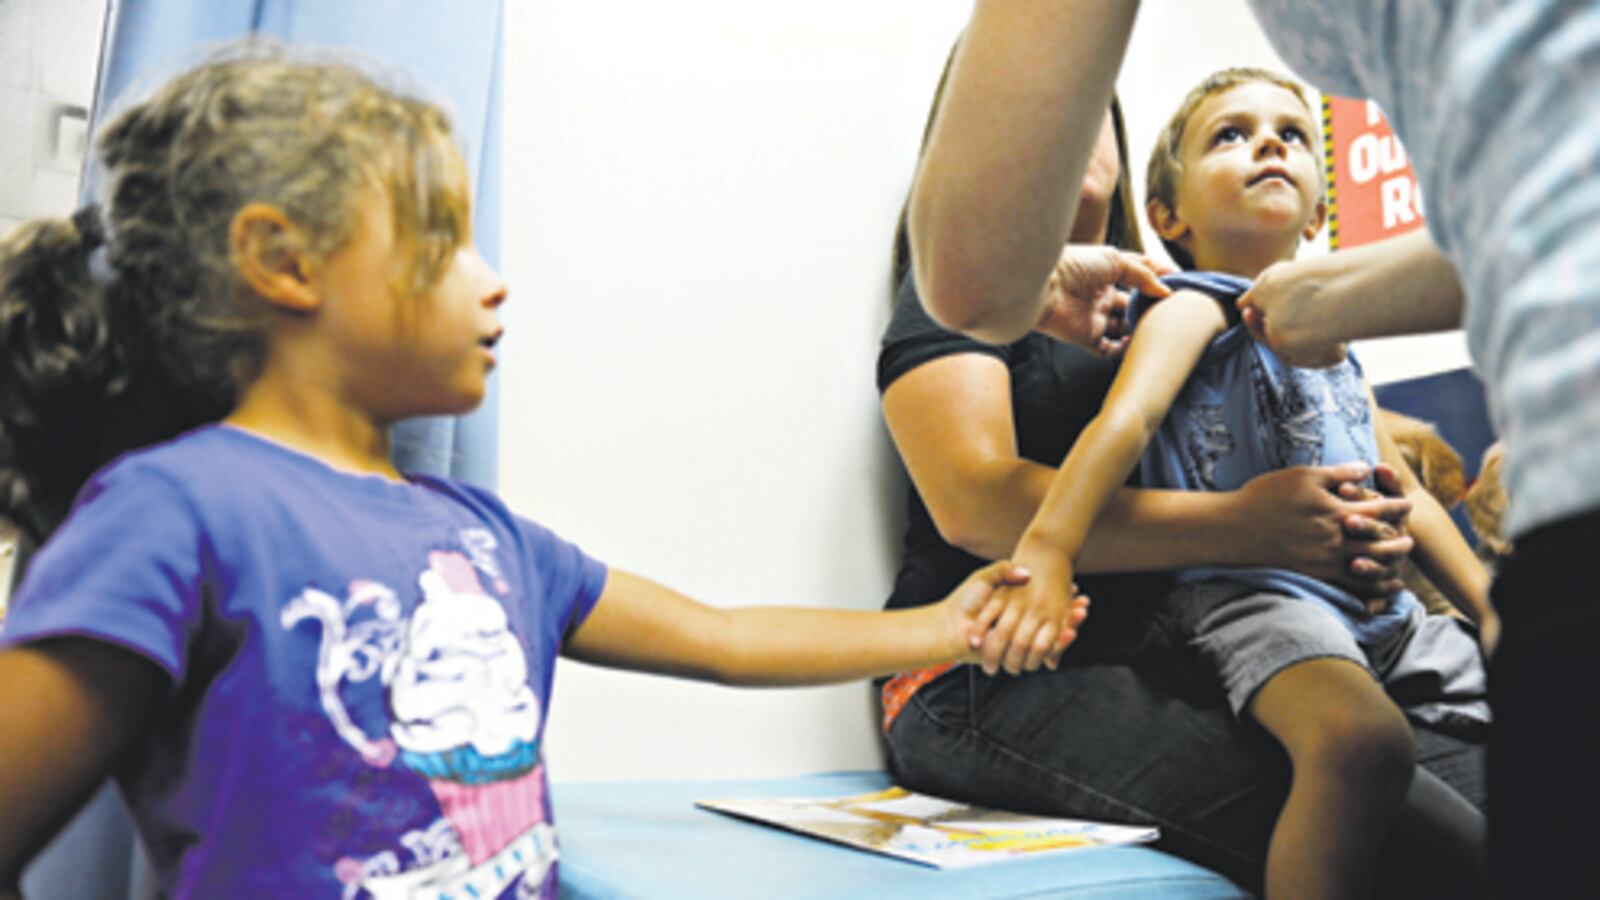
(1438, 467)
(1436, 464)
(1486, 508)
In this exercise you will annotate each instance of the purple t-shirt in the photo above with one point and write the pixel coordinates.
(360, 668)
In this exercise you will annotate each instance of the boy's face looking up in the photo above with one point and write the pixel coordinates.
(1250, 183)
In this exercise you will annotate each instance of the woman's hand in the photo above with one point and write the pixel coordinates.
(1033, 623)
(1321, 521)
(1289, 309)
(1084, 302)
(1306, 309)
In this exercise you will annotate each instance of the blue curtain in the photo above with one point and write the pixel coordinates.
(449, 51)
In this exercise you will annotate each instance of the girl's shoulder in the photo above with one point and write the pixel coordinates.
(181, 464)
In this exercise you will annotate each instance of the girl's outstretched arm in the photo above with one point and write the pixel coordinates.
(638, 624)
(68, 708)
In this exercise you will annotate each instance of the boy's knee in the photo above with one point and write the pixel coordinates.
(1370, 746)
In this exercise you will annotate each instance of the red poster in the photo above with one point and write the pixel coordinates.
(1372, 192)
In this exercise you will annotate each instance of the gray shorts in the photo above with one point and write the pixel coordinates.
(1433, 669)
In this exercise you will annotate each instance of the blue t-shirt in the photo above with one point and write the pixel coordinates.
(360, 668)
(1243, 412)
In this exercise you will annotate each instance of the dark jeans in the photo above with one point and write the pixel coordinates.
(1545, 758)
(1154, 744)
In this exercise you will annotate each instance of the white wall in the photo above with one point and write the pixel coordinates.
(48, 51)
(700, 201)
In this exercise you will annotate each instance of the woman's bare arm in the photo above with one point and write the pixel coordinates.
(997, 191)
(951, 421)
(1306, 309)
(639, 624)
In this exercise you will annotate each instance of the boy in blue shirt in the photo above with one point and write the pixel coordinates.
(1235, 186)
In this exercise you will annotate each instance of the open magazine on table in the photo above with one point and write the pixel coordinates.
(928, 830)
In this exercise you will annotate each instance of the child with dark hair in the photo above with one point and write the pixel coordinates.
(311, 674)
(1235, 186)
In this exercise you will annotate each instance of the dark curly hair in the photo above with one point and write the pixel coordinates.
(129, 323)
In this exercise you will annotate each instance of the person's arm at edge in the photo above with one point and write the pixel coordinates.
(641, 625)
(951, 421)
(1441, 552)
(1165, 349)
(997, 190)
(1304, 309)
(68, 709)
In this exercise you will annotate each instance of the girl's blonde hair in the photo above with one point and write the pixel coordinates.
(1164, 172)
(130, 322)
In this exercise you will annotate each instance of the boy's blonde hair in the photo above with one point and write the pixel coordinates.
(1164, 173)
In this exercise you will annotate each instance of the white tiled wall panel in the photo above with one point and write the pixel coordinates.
(16, 43)
(48, 51)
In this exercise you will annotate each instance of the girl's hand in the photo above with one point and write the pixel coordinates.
(1083, 302)
(1035, 622)
(970, 608)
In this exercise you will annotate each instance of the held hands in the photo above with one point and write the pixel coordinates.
(1323, 522)
(1032, 623)
(1083, 302)
(1376, 529)
(965, 609)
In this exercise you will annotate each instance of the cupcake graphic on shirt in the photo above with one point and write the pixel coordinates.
(463, 715)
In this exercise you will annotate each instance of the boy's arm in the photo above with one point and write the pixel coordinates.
(1167, 345)
(68, 708)
(952, 422)
(997, 190)
(1441, 552)
(638, 624)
